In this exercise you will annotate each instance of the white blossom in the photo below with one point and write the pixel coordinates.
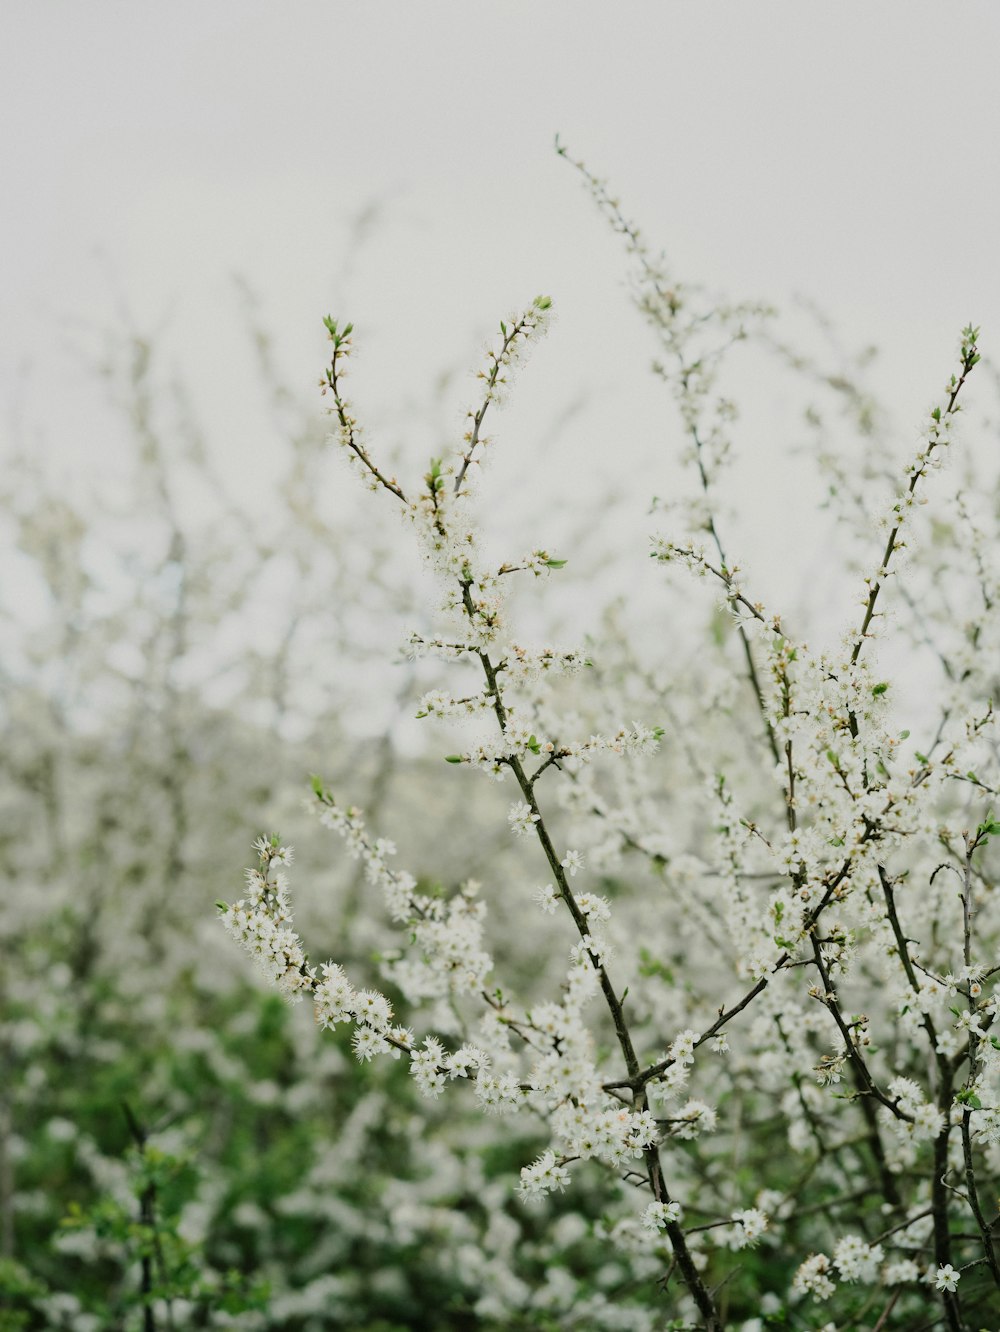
(521, 818)
(946, 1278)
(657, 1215)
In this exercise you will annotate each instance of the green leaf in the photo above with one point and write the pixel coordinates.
(556, 564)
(969, 1098)
(880, 688)
(433, 477)
(337, 335)
(453, 758)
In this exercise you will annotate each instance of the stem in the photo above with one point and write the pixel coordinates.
(668, 298)
(147, 1218)
(883, 1317)
(969, 359)
(744, 639)
(783, 960)
(939, 1206)
(682, 1254)
(341, 347)
(971, 844)
(491, 379)
(867, 1088)
(559, 874)
(974, 1203)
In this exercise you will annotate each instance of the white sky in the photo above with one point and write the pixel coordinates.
(847, 151)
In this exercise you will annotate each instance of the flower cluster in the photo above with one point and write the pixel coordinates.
(805, 895)
(261, 921)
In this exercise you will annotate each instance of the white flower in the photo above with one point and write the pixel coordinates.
(812, 1278)
(594, 907)
(521, 818)
(372, 1008)
(855, 1260)
(590, 950)
(469, 1056)
(928, 1121)
(658, 1214)
(946, 1278)
(903, 1269)
(547, 898)
(682, 1050)
(571, 862)
(694, 1118)
(368, 1043)
(426, 1068)
(498, 1093)
(948, 1043)
(543, 1176)
(748, 1226)
(333, 996)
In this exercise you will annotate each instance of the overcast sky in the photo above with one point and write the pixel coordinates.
(846, 151)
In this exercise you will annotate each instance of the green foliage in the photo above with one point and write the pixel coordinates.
(264, 1177)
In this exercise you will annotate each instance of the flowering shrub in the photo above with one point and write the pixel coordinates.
(125, 780)
(762, 921)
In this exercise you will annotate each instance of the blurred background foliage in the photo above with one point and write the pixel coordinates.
(178, 1148)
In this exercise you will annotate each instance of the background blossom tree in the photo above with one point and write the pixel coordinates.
(648, 978)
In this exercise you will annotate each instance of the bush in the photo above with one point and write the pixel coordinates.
(682, 1018)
